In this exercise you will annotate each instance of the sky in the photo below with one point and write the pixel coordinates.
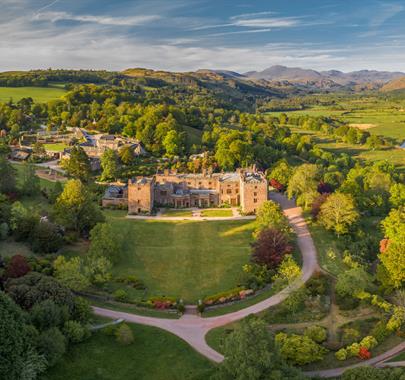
(185, 35)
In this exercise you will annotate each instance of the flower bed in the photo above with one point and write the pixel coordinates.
(235, 294)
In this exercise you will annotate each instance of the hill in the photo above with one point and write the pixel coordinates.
(394, 85)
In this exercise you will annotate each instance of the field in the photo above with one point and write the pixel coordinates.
(38, 94)
(385, 118)
(155, 354)
(179, 259)
(223, 213)
(393, 155)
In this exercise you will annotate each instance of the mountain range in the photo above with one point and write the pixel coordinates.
(320, 78)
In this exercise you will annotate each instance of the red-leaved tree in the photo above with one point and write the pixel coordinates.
(277, 185)
(317, 203)
(17, 267)
(270, 248)
(324, 188)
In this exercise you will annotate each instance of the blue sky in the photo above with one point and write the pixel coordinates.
(182, 35)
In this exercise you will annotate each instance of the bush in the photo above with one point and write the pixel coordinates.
(341, 354)
(52, 344)
(180, 307)
(364, 353)
(353, 350)
(200, 306)
(317, 285)
(81, 310)
(46, 237)
(380, 331)
(132, 281)
(317, 333)
(17, 267)
(120, 295)
(47, 314)
(368, 342)
(124, 335)
(346, 302)
(162, 302)
(75, 332)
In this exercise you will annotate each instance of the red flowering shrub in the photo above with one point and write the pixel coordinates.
(384, 245)
(317, 203)
(364, 354)
(17, 267)
(324, 188)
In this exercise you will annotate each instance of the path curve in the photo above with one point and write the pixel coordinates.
(193, 328)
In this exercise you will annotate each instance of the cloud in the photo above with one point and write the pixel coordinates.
(238, 32)
(385, 12)
(102, 20)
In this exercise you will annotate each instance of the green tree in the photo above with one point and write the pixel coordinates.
(19, 360)
(397, 198)
(303, 184)
(70, 272)
(52, 344)
(251, 354)
(394, 225)
(124, 334)
(75, 332)
(352, 282)
(22, 221)
(173, 143)
(270, 215)
(126, 154)
(46, 237)
(281, 172)
(299, 349)
(29, 180)
(393, 259)
(47, 314)
(75, 208)
(7, 176)
(78, 165)
(338, 213)
(104, 242)
(110, 166)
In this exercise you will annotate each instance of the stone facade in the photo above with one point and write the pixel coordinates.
(248, 189)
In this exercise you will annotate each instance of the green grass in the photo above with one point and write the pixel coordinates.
(177, 213)
(43, 182)
(38, 94)
(398, 358)
(154, 355)
(194, 135)
(187, 259)
(388, 118)
(58, 147)
(223, 213)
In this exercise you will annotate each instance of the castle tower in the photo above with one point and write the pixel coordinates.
(141, 195)
(253, 191)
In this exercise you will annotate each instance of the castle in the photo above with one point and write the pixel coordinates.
(247, 189)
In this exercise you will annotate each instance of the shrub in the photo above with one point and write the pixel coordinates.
(180, 306)
(364, 353)
(81, 310)
(317, 333)
(120, 295)
(380, 331)
(162, 302)
(368, 342)
(299, 349)
(341, 354)
(47, 314)
(317, 284)
(17, 267)
(132, 281)
(124, 335)
(75, 332)
(353, 349)
(200, 306)
(46, 237)
(52, 344)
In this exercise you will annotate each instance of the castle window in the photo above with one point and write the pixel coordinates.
(255, 187)
(139, 189)
(229, 191)
(255, 194)
(236, 191)
(138, 201)
(254, 200)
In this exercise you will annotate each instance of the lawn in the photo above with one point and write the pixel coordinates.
(38, 94)
(177, 213)
(187, 259)
(154, 355)
(57, 147)
(223, 213)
